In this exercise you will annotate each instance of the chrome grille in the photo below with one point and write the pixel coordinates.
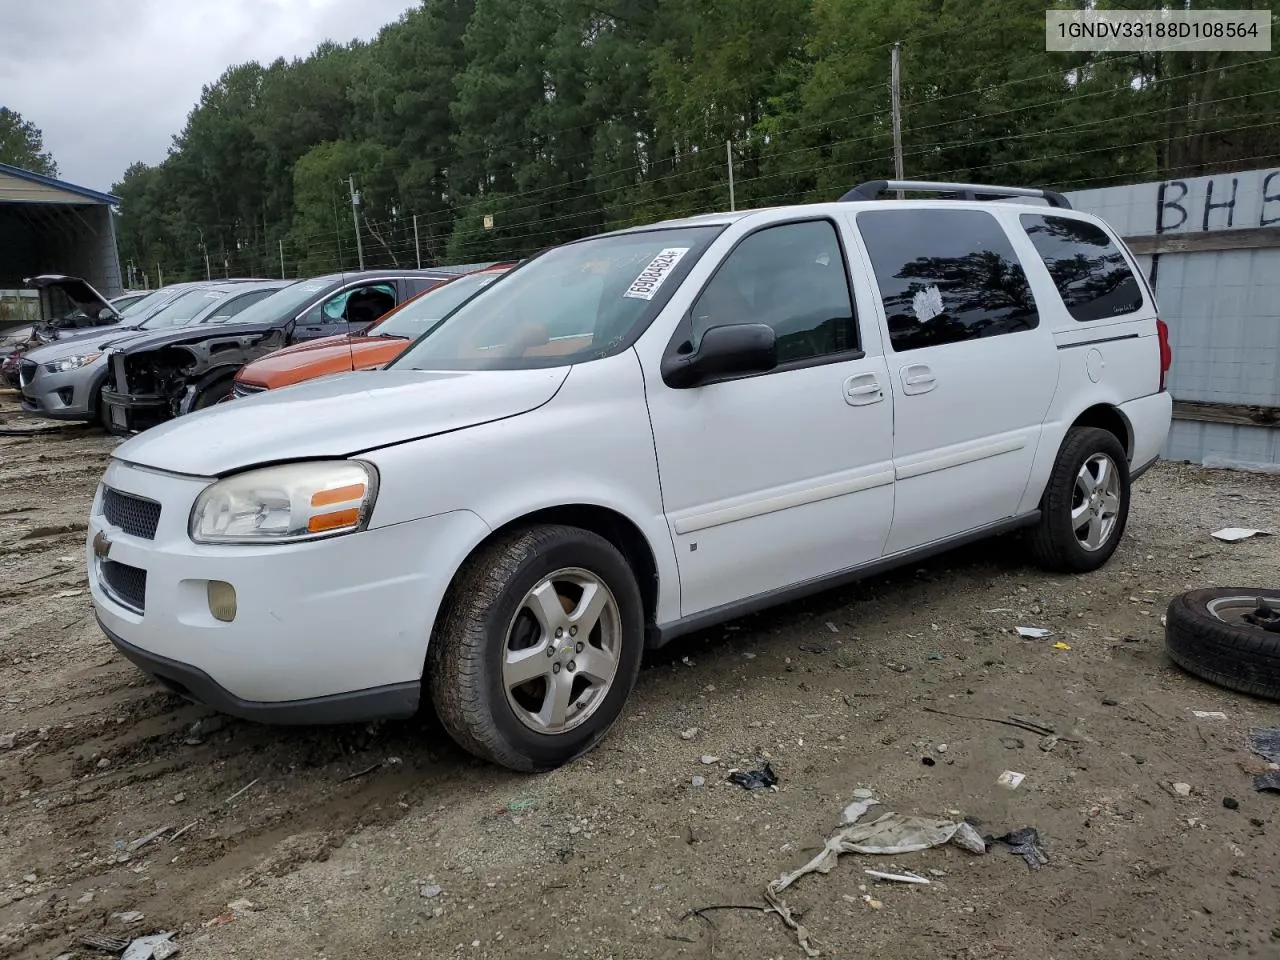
(127, 584)
(136, 516)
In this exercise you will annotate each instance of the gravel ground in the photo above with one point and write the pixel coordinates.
(388, 841)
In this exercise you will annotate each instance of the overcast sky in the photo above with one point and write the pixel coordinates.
(111, 81)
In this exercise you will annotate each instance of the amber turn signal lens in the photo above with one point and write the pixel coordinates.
(325, 498)
(323, 522)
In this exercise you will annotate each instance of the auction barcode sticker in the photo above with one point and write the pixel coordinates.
(651, 277)
(1150, 30)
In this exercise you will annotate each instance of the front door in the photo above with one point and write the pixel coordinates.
(775, 479)
(973, 372)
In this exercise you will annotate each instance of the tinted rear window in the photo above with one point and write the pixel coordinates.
(946, 276)
(1090, 272)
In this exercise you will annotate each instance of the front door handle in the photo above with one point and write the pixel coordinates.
(918, 378)
(863, 389)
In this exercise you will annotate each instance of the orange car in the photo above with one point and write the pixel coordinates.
(379, 344)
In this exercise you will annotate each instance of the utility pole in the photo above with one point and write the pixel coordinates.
(159, 276)
(208, 273)
(895, 93)
(282, 274)
(728, 152)
(416, 249)
(355, 219)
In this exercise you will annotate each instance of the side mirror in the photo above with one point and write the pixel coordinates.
(735, 348)
(106, 314)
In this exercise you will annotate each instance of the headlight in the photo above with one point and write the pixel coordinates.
(284, 504)
(71, 363)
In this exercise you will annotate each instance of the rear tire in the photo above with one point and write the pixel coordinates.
(1085, 507)
(496, 662)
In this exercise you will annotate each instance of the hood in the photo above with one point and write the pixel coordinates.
(320, 358)
(193, 333)
(80, 292)
(88, 341)
(338, 416)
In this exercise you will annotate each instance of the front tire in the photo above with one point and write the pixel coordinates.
(1085, 507)
(537, 647)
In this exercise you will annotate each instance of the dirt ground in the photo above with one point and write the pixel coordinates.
(388, 841)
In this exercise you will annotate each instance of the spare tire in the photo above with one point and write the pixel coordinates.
(1229, 636)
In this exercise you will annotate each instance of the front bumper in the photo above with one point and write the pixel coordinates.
(328, 630)
(69, 395)
(132, 413)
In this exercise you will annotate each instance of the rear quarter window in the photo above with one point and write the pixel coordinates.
(1091, 274)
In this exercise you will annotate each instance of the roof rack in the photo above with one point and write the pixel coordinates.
(957, 191)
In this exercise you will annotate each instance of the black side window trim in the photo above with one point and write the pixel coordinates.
(683, 333)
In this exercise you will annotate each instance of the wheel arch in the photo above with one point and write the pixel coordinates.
(614, 526)
(1106, 416)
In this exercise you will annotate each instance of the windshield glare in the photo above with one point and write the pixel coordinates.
(146, 304)
(184, 309)
(418, 315)
(285, 303)
(569, 305)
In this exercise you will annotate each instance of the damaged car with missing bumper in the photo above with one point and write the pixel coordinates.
(173, 372)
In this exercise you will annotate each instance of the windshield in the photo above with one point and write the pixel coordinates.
(285, 304)
(146, 304)
(574, 303)
(184, 309)
(418, 315)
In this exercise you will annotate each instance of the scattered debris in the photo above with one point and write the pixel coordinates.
(872, 902)
(523, 805)
(832, 627)
(1024, 843)
(1012, 743)
(220, 920)
(1108, 702)
(1267, 782)
(7, 740)
(1048, 743)
(862, 793)
(898, 877)
(1181, 789)
(242, 790)
(149, 838)
(1061, 646)
(755, 779)
(928, 761)
(689, 734)
(1034, 633)
(1210, 714)
(1233, 534)
(241, 906)
(933, 656)
(350, 776)
(429, 891)
(1020, 722)
(856, 810)
(1010, 779)
(891, 834)
(1231, 803)
(698, 781)
(707, 759)
(128, 916)
(106, 944)
(152, 947)
(1265, 742)
(179, 833)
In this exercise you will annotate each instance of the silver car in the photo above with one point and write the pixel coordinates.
(63, 380)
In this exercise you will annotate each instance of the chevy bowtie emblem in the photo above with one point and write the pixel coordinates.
(101, 545)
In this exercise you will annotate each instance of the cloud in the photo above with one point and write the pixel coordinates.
(110, 82)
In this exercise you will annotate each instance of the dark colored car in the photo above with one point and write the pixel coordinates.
(154, 378)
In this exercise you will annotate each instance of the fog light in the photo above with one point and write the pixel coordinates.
(222, 600)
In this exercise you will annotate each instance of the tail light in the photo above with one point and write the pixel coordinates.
(1166, 352)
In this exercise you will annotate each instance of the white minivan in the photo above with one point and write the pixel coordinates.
(631, 437)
